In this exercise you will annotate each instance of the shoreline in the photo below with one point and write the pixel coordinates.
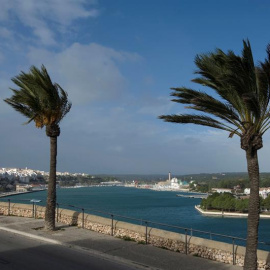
(7, 194)
(162, 189)
(226, 214)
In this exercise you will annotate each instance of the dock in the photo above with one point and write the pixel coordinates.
(226, 214)
(196, 196)
(13, 193)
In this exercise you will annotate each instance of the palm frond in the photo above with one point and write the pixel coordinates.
(38, 98)
(243, 90)
(195, 119)
(232, 77)
(203, 102)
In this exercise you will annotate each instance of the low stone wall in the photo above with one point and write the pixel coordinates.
(214, 250)
(223, 213)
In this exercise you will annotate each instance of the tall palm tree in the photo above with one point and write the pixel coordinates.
(46, 104)
(241, 108)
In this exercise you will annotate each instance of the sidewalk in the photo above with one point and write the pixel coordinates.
(144, 256)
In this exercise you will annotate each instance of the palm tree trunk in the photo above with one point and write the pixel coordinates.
(253, 210)
(51, 197)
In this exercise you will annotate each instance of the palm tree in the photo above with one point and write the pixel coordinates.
(242, 109)
(46, 104)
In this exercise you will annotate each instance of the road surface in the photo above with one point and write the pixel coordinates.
(21, 253)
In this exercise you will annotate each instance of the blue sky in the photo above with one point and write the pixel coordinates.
(117, 60)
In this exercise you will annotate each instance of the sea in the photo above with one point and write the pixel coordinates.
(156, 207)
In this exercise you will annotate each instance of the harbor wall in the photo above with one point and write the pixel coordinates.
(209, 249)
(14, 193)
(225, 214)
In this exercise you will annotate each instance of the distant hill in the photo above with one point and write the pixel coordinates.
(201, 177)
(141, 177)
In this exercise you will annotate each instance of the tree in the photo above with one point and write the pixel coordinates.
(208, 202)
(242, 109)
(230, 204)
(46, 104)
(241, 205)
(266, 203)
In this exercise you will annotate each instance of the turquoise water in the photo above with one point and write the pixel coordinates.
(143, 204)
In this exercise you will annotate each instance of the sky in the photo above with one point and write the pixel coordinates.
(117, 60)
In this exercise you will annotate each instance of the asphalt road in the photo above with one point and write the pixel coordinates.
(21, 253)
(24, 245)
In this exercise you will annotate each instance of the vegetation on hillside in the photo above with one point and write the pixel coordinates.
(228, 202)
(240, 180)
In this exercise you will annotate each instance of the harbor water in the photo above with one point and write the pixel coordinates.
(145, 204)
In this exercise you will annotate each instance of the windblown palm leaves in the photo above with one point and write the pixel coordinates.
(46, 104)
(243, 105)
(38, 98)
(241, 108)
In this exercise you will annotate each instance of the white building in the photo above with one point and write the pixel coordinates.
(222, 190)
(174, 183)
(24, 178)
(264, 192)
(23, 188)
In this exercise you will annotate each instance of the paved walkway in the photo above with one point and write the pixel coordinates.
(144, 256)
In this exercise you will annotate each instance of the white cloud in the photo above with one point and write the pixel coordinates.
(46, 17)
(45, 35)
(86, 72)
(5, 33)
(154, 106)
(116, 148)
(2, 57)
(149, 80)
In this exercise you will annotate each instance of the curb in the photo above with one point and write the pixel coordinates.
(92, 251)
(44, 239)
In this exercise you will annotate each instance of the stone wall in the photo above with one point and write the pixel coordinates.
(225, 214)
(213, 250)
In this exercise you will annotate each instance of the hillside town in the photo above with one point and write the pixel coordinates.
(24, 179)
(264, 191)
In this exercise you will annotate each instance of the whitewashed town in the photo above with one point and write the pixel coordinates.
(25, 179)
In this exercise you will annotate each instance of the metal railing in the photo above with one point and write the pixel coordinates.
(187, 231)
